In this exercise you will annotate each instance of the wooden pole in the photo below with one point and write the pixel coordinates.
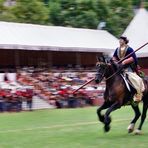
(83, 85)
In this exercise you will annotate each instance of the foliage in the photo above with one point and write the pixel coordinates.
(3, 10)
(121, 13)
(137, 3)
(73, 13)
(89, 14)
(28, 11)
(146, 4)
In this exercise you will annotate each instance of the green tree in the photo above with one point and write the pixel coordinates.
(137, 3)
(121, 13)
(145, 2)
(55, 15)
(27, 11)
(1, 6)
(78, 13)
(2, 10)
(88, 14)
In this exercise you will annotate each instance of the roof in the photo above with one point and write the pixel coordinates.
(55, 38)
(137, 32)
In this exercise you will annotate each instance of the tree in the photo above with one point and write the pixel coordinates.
(2, 10)
(1, 6)
(78, 13)
(88, 14)
(55, 15)
(121, 13)
(27, 11)
(137, 3)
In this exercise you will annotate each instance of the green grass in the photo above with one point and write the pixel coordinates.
(68, 128)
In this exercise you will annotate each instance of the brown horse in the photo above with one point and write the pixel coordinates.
(117, 94)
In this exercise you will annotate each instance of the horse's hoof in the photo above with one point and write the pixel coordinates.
(106, 128)
(131, 128)
(137, 132)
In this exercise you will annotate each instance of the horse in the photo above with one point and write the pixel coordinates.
(117, 94)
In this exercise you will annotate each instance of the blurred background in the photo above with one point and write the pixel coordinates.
(48, 48)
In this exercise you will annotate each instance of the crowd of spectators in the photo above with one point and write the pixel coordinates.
(57, 86)
(13, 95)
(12, 100)
(54, 86)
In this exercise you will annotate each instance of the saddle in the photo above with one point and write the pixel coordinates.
(130, 88)
(128, 84)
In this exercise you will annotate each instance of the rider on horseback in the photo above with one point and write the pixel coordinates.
(129, 65)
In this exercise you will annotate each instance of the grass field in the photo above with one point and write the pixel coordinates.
(68, 128)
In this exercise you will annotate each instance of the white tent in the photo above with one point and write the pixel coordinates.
(54, 38)
(137, 32)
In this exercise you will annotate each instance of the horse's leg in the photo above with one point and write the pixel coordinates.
(144, 112)
(137, 115)
(105, 105)
(107, 119)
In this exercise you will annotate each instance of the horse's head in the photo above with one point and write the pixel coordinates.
(101, 67)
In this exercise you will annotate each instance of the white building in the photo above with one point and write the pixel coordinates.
(29, 40)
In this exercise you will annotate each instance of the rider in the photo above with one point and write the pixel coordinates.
(129, 65)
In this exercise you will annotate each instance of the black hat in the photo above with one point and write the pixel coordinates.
(124, 38)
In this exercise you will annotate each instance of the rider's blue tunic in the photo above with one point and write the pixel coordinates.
(128, 51)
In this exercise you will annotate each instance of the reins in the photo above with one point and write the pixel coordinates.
(112, 75)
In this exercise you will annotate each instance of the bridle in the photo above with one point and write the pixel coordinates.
(103, 75)
(99, 73)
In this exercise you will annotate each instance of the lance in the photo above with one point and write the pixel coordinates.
(83, 85)
(118, 62)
